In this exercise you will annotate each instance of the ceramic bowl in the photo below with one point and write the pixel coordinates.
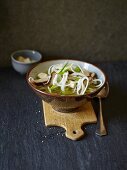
(65, 103)
(22, 67)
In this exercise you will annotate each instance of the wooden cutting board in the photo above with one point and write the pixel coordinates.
(71, 122)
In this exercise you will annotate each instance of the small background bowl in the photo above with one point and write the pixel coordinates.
(65, 103)
(22, 67)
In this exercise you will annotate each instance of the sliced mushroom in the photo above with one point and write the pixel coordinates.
(86, 72)
(90, 78)
(92, 74)
(42, 75)
(43, 78)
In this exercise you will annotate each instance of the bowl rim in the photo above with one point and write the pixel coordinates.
(66, 96)
(26, 50)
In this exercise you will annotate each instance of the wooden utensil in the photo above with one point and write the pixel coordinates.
(101, 130)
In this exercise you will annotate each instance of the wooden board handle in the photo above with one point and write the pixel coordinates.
(74, 133)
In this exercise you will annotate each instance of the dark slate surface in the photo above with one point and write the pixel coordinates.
(26, 144)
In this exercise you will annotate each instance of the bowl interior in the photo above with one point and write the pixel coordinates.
(43, 67)
(34, 55)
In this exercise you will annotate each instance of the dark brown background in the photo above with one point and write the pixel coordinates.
(95, 30)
